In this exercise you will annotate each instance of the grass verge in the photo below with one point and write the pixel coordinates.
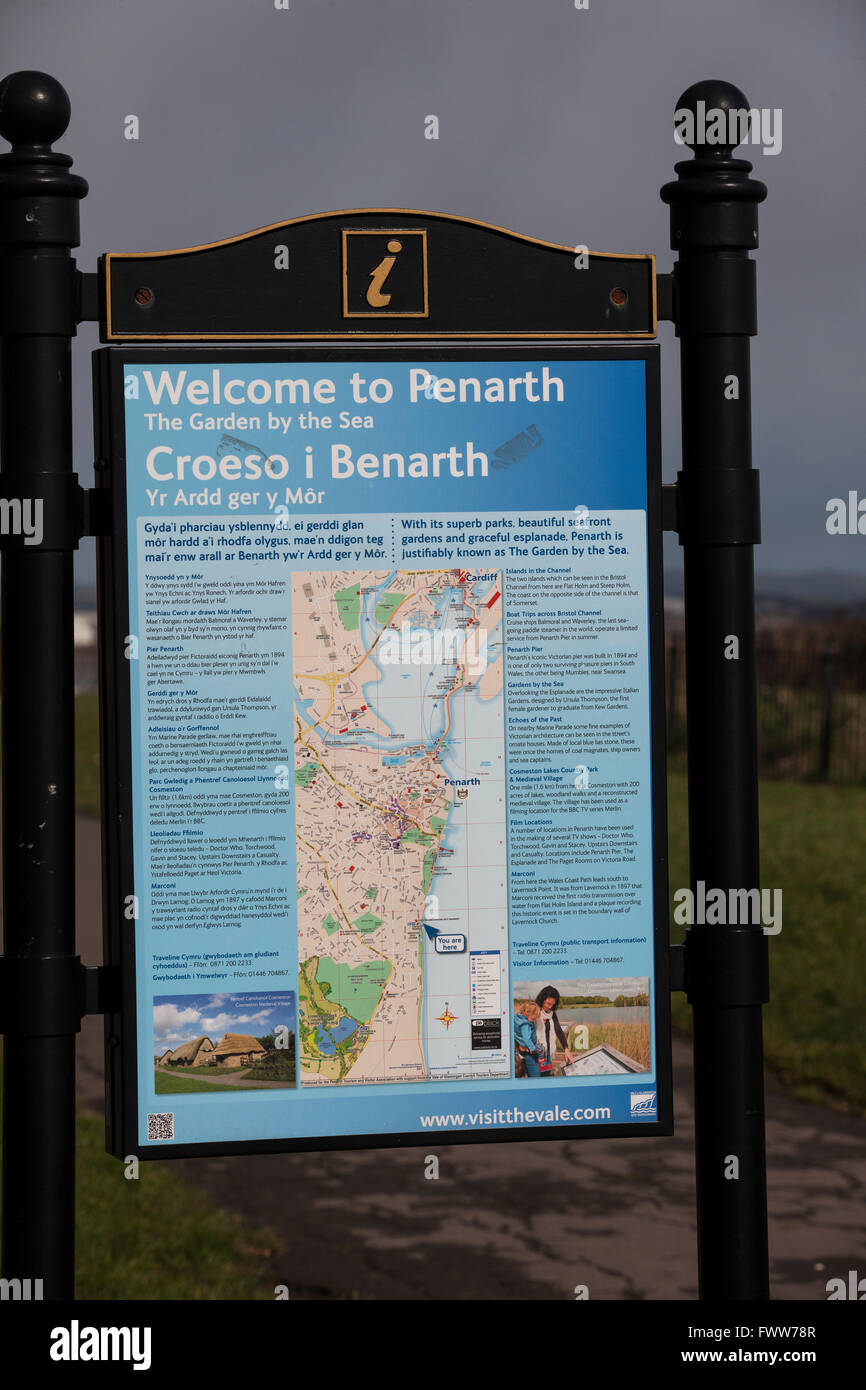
(813, 847)
(158, 1236)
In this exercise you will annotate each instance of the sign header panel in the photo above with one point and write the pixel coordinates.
(382, 746)
(377, 272)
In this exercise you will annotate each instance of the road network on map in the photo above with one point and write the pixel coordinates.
(381, 751)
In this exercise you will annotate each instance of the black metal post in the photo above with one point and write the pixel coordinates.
(829, 665)
(714, 225)
(38, 226)
(673, 690)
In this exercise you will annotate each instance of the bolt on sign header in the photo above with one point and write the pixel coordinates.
(383, 736)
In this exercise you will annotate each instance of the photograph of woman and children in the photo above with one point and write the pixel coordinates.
(581, 1027)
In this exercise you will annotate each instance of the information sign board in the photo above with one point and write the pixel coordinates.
(382, 681)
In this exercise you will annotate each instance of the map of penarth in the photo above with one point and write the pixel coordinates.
(400, 786)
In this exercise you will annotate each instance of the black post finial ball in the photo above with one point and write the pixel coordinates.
(716, 95)
(34, 109)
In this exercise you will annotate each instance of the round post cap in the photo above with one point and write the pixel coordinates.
(34, 110)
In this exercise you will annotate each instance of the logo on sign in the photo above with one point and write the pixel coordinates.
(385, 273)
(643, 1103)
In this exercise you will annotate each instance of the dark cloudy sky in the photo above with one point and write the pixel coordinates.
(554, 122)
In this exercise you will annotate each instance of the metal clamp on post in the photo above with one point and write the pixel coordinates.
(48, 511)
(728, 968)
(41, 996)
(47, 996)
(718, 506)
(716, 297)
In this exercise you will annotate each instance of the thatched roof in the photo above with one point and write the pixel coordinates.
(165, 1055)
(188, 1051)
(237, 1042)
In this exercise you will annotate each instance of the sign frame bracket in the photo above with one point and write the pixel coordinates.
(48, 996)
(666, 310)
(88, 296)
(71, 511)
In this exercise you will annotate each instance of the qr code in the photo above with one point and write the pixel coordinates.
(160, 1126)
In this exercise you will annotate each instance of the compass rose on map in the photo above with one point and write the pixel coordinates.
(447, 1018)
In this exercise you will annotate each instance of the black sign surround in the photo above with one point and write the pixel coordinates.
(122, 796)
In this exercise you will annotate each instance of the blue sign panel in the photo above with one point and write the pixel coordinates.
(384, 746)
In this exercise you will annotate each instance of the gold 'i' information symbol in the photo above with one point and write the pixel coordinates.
(385, 272)
(375, 298)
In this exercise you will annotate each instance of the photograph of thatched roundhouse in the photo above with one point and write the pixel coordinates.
(189, 1054)
(238, 1050)
(203, 1042)
(234, 1050)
